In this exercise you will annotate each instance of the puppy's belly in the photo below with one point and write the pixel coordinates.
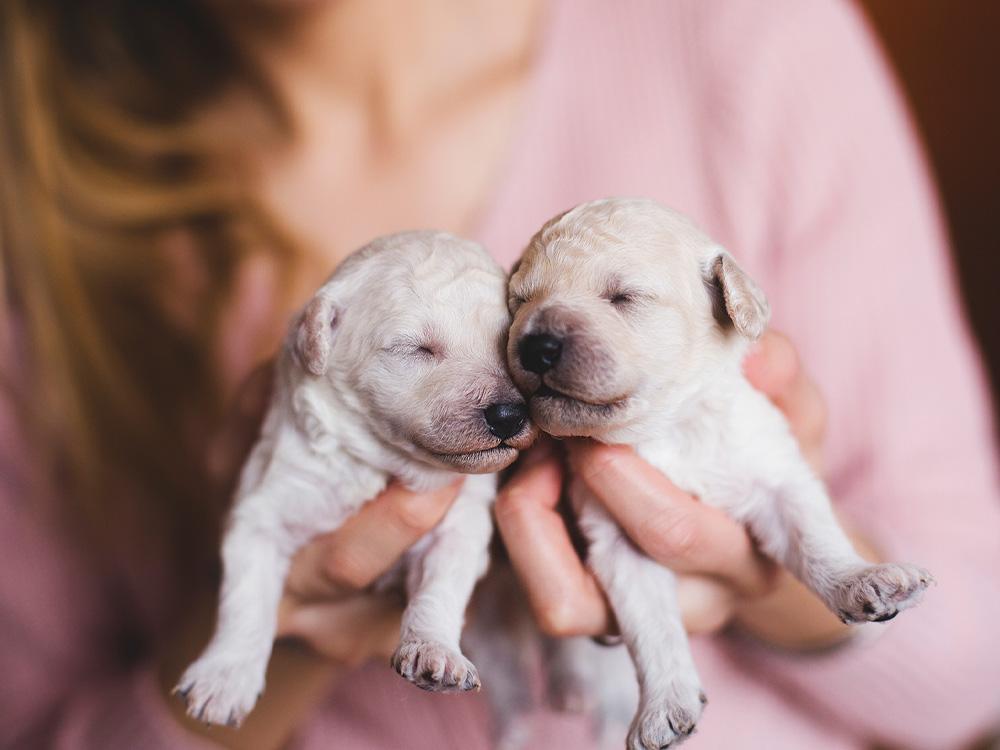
(714, 481)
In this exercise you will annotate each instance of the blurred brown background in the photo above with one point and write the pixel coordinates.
(946, 54)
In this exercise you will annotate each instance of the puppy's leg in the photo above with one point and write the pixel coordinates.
(643, 596)
(443, 570)
(796, 525)
(223, 685)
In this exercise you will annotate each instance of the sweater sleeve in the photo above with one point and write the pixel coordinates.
(62, 686)
(860, 279)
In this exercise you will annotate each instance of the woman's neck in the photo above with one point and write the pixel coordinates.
(398, 63)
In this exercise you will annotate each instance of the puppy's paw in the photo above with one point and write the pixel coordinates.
(435, 667)
(878, 593)
(221, 691)
(668, 721)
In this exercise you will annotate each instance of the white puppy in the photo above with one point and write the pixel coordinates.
(629, 327)
(395, 368)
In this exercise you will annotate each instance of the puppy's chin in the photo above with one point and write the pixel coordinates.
(478, 462)
(481, 460)
(565, 416)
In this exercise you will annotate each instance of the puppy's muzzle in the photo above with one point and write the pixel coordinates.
(539, 352)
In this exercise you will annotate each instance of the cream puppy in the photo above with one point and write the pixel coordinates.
(395, 368)
(629, 327)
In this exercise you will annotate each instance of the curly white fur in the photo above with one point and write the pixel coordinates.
(387, 372)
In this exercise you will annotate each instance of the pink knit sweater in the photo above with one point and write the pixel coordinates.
(776, 125)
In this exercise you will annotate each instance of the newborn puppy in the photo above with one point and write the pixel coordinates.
(629, 327)
(395, 368)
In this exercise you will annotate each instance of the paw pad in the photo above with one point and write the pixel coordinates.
(877, 593)
(668, 723)
(435, 667)
(221, 692)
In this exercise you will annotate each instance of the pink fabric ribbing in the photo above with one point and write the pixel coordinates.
(777, 127)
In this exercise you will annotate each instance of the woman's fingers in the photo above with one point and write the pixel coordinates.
(564, 597)
(707, 604)
(772, 364)
(369, 543)
(715, 555)
(670, 525)
(773, 367)
(348, 631)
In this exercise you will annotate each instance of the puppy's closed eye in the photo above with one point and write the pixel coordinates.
(516, 300)
(413, 348)
(623, 299)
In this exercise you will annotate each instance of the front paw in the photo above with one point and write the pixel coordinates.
(878, 593)
(221, 691)
(435, 667)
(668, 721)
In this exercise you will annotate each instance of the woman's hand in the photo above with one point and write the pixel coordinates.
(721, 575)
(327, 603)
(714, 556)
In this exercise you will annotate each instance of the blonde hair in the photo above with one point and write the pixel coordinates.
(108, 148)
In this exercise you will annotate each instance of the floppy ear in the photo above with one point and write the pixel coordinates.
(737, 300)
(313, 337)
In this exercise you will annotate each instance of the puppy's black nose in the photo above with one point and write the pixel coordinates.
(539, 352)
(505, 420)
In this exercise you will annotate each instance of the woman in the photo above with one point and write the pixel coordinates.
(177, 176)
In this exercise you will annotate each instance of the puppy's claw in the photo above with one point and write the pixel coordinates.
(877, 593)
(222, 692)
(667, 723)
(435, 667)
(181, 692)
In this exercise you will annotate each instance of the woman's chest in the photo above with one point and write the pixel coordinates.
(344, 182)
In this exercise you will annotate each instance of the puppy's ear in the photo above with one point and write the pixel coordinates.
(313, 336)
(737, 301)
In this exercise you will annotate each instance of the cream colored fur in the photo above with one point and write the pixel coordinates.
(653, 320)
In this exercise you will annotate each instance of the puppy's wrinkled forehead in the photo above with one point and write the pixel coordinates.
(455, 279)
(432, 281)
(603, 250)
